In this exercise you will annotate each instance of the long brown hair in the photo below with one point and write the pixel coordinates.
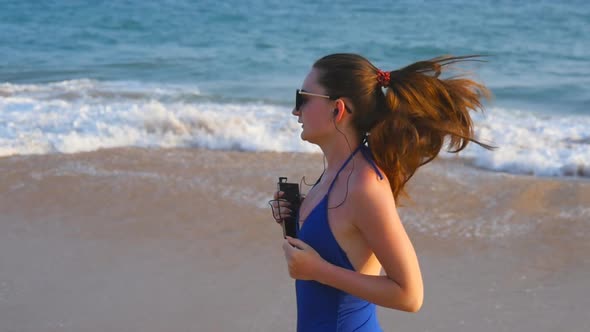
(407, 123)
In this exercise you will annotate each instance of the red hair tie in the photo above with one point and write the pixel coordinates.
(383, 77)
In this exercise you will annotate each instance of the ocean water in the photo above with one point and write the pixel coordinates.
(85, 75)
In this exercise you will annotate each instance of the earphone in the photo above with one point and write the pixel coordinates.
(335, 111)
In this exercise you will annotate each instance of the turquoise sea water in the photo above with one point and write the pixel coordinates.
(81, 75)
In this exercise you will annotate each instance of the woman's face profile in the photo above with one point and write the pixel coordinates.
(314, 113)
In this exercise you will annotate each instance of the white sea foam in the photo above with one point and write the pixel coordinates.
(86, 115)
(529, 143)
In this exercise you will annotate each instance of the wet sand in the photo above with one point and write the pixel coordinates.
(182, 240)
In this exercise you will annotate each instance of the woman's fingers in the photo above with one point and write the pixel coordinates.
(279, 204)
(280, 207)
(281, 213)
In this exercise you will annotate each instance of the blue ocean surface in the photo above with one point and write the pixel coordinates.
(84, 75)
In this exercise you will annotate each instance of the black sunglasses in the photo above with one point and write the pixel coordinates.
(299, 98)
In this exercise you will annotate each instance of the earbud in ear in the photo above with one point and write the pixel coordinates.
(335, 111)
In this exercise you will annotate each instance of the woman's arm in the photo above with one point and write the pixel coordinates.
(375, 215)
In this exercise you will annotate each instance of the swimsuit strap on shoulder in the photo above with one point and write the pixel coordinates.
(369, 157)
(367, 154)
(342, 167)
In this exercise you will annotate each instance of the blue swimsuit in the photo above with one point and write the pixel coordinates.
(321, 307)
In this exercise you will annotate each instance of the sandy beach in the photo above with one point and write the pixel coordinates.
(183, 240)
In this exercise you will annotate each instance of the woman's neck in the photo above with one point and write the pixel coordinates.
(337, 151)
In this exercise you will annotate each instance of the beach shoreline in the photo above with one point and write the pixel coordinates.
(182, 239)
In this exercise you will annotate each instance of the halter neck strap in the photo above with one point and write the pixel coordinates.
(368, 156)
(344, 165)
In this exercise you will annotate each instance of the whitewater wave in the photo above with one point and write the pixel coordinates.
(86, 115)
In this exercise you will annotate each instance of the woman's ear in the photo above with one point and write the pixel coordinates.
(340, 109)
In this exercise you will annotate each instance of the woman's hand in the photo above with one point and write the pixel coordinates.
(303, 261)
(280, 207)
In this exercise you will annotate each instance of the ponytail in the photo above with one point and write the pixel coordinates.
(416, 113)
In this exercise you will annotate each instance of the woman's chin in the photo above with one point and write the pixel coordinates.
(304, 136)
(307, 138)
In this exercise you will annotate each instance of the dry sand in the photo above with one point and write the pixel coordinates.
(183, 240)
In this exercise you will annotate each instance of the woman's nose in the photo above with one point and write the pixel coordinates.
(295, 112)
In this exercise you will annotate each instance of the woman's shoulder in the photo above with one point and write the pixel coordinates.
(370, 180)
(371, 199)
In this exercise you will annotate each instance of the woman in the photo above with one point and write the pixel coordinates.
(375, 129)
